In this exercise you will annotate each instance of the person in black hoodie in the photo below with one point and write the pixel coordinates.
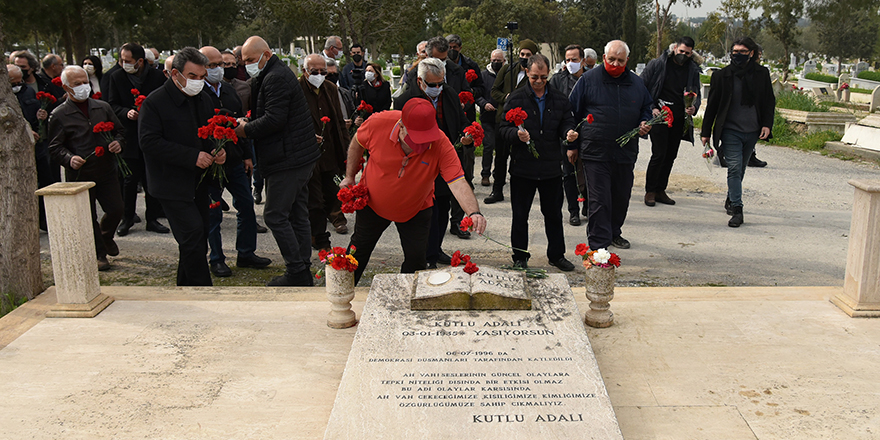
(739, 111)
(549, 120)
(176, 158)
(287, 149)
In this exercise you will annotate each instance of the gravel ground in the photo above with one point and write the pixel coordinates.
(797, 219)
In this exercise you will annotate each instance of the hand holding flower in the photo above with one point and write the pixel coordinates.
(115, 147)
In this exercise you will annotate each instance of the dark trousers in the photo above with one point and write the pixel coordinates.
(287, 215)
(609, 186)
(502, 152)
(322, 203)
(189, 225)
(239, 186)
(44, 176)
(439, 214)
(467, 159)
(413, 233)
(488, 148)
(129, 192)
(574, 184)
(522, 193)
(664, 149)
(106, 192)
(258, 177)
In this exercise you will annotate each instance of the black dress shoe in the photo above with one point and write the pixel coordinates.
(301, 278)
(254, 261)
(123, 228)
(464, 235)
(258, 197)
(522, 264)
(155, 226)
(136, 219)
(755, 162)
(432, 266)
(112, 248)
(493, 198)
(620, 242)
(444, 258)
(575, 220)
(103, 264)
(261, 229)
(220, 269)
(563, 264)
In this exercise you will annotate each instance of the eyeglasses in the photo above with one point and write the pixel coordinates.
(403, 167)
(437, 84)
(741, 52)
(318, 72)
(213, 65)
(536, 77)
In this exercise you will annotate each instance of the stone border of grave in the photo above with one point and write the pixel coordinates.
(818, 121)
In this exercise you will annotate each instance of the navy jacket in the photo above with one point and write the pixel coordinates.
(281, 124)
(547, 134)
(618, 105)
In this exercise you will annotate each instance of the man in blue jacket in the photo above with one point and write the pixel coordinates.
(549, 120)
(287, 149)
(618, 101)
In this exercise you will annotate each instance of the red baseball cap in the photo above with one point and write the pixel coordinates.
(420, 120)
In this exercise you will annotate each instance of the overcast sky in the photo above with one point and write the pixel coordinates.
(707, 7)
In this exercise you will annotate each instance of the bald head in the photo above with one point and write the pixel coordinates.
(617, 48)
(14, 74)
(255, 50)
(168, 62)
(315, 61)
(214, 56)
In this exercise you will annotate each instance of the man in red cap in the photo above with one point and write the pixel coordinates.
(407, 152)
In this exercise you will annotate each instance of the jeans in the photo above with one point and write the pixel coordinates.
(239, 186)
(488, 147)
(287, 215)
(522, 193)
(737, 148)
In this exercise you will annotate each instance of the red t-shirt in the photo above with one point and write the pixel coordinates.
(400, 198)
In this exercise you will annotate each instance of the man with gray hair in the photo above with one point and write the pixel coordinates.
(590, 58)
(420, 55)
(332, 47)
(618, 101)
(176, 159)
(73, 144)
(430, 85)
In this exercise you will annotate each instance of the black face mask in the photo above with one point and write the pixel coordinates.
(524, 62)
(25, 74)
(496, 65)
(332, 77)
(357, 58)
(680, 59)
(230, 72)
(740, 59)
(453, 55)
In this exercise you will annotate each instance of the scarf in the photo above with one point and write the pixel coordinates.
(747, 75)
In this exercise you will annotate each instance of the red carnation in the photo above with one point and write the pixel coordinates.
(667, 115)
(471, 268)
(216, 111)
(365, 107)
(581, 249)
(466, 224)
(139, 101)
(322, 255)
(614, 260)
(475, 131)
(325, 119)
(344, 195)
(99, 151)
(471, 76)
(466, 97)
(590, 118)
(96, 95)
(57, 81)
(339, 263)
(516, 116)
(46, 98)
(456, 259)
(135, 92)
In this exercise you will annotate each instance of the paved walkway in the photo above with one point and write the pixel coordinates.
(260, 363)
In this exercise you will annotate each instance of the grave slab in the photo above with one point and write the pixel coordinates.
(512, 374)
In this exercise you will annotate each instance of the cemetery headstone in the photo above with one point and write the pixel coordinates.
(809, 67)
(793, 63)
(860, 67)
(640, 67)
(831, 69)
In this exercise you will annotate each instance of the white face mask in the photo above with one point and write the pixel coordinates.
(215, 75)
(193, 86)
(433, 92)
(316, 80)
(81, 92)
(254, 69)
(370, 76)
(574, 67)
(129, 68)
(90, 69)
(16, 89)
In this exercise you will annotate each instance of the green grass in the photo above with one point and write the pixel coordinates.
(705, 79)
(798, 101)
(698, 122)
(860, 90)
(821, 77)
(869, 75)
(9, 302)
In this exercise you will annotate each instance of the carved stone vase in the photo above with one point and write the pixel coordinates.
(600, 292)
(340, 292)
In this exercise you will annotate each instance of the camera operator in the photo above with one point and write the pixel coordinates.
(353, 72)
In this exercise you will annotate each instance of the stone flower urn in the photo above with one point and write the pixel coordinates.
(600, 292)
(340, 292)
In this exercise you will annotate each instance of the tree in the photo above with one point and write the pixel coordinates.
(781, 18)
(20, 272)
(661, 16)
(711, 35)
(847, 28)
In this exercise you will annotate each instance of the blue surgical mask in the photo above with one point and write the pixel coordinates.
(254, 69)
(433, 92)
(215, 75)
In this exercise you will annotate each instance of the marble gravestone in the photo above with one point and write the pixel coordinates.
(488, 374)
